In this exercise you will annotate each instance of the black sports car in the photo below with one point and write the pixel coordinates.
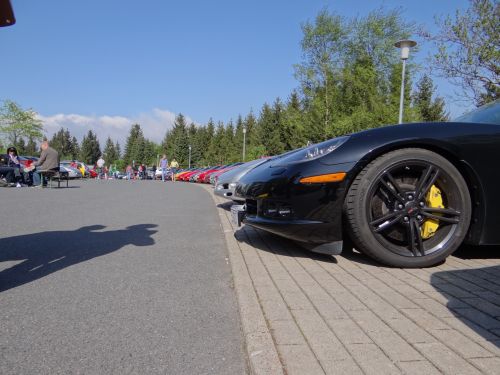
(408, 195)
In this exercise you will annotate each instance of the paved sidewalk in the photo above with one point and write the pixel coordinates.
(304, 313)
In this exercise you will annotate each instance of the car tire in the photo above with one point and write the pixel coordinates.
(399, 195)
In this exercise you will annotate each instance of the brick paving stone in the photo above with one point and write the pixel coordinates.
(437, 309)
(341, 367)
(490, 296)
(453, 290)
(480, 318)
(286, 332)
(424, 319)
(318, 335)
(446, 360)
(348, 331)
(490, 366)
(297, 301)
(471, 330)
(275, 310)
(418, 368)
(394, 346)
(412, 280)
(329, 309)
(369, 322)
(300, 360)
(372, 360)
(410, 331)
(484, 306)
(389, 294)
(461, 344)
(446, 299)
(268, 293)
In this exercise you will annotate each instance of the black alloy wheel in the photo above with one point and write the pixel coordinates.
(408, 208)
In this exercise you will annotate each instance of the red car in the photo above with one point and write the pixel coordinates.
(201, 177)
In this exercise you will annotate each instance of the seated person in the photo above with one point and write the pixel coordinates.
(14, 162)
(49, 161)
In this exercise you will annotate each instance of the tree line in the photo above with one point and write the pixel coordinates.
(349, 79)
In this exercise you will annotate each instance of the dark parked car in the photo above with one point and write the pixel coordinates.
(408, 195)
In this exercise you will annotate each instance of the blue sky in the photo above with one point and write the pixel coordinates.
(106, 64)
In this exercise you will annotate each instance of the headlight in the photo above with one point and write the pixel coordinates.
(324, 148)
(312, 152)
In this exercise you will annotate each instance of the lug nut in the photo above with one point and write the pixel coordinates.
(410, 197)
(421, 204)
(406, 219)
(400, 206)
(419, 217)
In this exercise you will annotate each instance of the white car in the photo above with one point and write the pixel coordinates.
(72, 172)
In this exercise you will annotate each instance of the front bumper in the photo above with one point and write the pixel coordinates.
(275, 201)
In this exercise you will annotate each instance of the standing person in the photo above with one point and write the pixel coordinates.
(100, 166)
(49, 161)
(163, 167)
(173, 167)
(129, 171)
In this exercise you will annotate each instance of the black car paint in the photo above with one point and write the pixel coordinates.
(317, 208)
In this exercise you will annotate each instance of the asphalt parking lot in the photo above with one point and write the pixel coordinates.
(116, 277)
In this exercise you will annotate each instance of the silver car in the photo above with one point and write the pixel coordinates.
(226, 182)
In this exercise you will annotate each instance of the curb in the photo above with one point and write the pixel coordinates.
(262, 354)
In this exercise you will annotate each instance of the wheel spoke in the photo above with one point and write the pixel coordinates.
(425, 183)
(394, 190)
(419, 237)
(450, 220)
(442, 211)
(386, 221)
(411, 239)
(394, 183)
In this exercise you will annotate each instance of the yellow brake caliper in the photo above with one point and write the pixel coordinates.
(434, 200)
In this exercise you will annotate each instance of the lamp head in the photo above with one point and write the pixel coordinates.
(405, 46)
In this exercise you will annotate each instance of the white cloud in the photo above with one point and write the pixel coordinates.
(154, 124)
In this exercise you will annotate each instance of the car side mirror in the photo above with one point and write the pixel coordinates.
(6, 14)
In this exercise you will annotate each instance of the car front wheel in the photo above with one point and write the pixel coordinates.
(408, 208)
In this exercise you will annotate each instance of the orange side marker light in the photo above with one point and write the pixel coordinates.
(322, 178)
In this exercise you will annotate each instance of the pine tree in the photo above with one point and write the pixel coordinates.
(118, 150)
(429, 109)
(75, 148)
(134, 148)
(90, 150)
(176, 142)
(110, 155)
(293, 124)
(269, 129)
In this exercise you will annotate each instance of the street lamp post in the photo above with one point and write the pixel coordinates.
(244, 141)
(189, 156)
(405, 46)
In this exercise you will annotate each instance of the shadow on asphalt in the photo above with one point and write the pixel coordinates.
(46, 252)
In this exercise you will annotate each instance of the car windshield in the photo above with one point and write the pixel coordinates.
(487, 114)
